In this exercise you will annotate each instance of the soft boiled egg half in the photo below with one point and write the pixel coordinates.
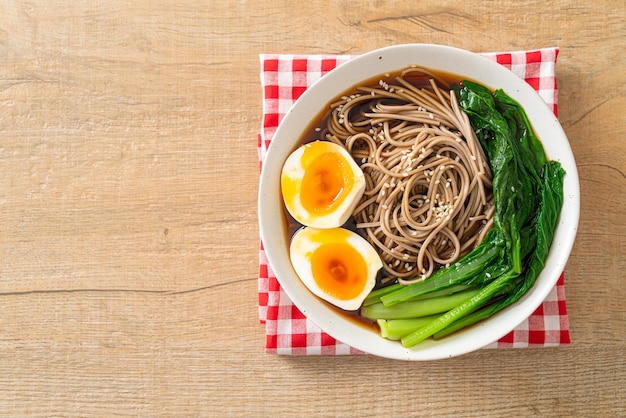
(321, 184)
(336, 264)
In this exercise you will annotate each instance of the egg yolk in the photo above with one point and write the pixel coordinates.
(325, 179)
(339, 270)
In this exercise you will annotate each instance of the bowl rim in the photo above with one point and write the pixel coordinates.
(337, 81)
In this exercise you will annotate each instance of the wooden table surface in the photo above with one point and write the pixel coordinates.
(128, 220)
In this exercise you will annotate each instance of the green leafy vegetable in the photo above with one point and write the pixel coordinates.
(395, 329)
(416, 308)
(545, 224)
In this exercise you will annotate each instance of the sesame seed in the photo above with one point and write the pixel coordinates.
(488, 275)
(512, 189)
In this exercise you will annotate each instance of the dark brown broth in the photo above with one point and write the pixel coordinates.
(310, 134)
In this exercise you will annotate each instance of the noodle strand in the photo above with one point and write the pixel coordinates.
(428, 198)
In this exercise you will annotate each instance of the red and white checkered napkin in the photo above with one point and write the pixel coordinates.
(284, 78)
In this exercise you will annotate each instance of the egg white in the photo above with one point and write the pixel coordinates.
(307, 240)
(294, 170)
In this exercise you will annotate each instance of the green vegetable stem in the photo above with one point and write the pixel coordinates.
(417, 308)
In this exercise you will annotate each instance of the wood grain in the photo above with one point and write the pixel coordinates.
(128, 180)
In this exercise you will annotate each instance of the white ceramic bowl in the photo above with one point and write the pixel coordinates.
(452, 60)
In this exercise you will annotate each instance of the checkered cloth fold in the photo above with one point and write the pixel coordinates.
(284, 78)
